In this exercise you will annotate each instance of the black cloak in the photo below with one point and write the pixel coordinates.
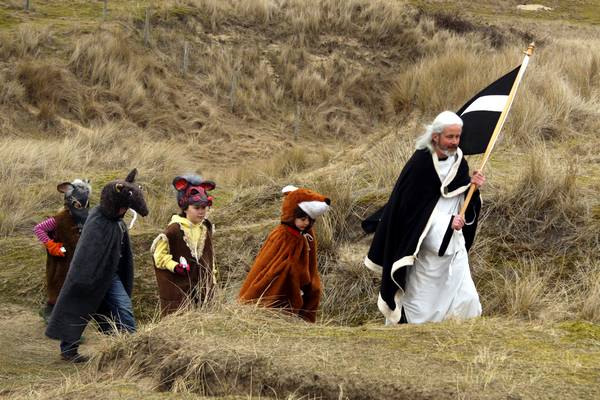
(103, 250)
(404, 222)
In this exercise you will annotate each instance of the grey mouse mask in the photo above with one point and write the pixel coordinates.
(77, 194)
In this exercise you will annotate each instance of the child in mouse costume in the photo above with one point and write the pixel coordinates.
(183, 254)
(100, 280)
(285, 273)
(59, 234)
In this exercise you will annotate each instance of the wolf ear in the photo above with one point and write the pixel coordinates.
(180, 183)
(131, 176)
(64, 187)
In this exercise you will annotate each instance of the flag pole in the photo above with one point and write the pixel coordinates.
(500, 124)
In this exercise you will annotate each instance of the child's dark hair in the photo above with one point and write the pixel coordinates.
(183, 212)
(299, 213)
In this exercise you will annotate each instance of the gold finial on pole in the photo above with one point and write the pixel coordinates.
(530, 49)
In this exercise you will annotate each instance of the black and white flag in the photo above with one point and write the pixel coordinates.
(480, 114)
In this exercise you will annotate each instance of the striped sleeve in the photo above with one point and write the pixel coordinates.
(41, 230)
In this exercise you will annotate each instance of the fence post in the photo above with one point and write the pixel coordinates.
(184, 66)
(27, 5)
(105, 9)
(297, 118)
(232, 90)
(147, 29)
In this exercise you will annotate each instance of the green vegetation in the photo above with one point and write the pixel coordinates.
(7, 20)
(579, 331)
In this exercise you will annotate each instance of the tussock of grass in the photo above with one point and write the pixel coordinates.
(541, 231)
(28, 40)
(589, 288)
(242, 351)
(51, 87)
(544, 209)
(350, 294)
(11, 91)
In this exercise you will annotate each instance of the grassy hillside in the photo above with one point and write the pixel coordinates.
(242, 353)
(328, 94)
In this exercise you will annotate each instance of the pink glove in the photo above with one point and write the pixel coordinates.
(181, 269)
(55, 248)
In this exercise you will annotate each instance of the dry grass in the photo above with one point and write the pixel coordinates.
(448, 81)
(563, 109)
(28, 41)
(240, 351)
(330, 95)
(544, 208)
(330, 84)
(587, 273)
(11, 92)
(536, 263)
(284, 165)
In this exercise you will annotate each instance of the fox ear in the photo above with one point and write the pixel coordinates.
(64, 187)
(131, 175)
(289, 188)
(180, 183)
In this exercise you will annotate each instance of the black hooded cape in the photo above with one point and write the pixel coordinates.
(404, 222)
(102, 250)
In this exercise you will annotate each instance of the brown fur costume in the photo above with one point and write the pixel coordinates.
(66, 233)
(198, 285)
(285, 272)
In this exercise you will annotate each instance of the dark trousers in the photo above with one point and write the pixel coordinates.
(117, 304)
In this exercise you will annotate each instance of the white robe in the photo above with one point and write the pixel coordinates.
(438, 288)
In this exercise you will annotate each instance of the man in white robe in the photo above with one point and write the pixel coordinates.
(418, 284)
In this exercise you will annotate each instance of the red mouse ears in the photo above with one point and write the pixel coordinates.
(192, 189)
(181, 183)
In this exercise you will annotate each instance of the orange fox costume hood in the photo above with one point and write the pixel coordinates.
(285, 273)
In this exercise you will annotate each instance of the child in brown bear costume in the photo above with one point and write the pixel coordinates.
(183, 253)
(59, 234)
(284, 274)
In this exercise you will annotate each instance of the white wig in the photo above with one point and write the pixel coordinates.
(441, 122)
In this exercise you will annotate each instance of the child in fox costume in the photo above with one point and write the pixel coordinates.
(183, 254)
(285, 274)
(59, 234)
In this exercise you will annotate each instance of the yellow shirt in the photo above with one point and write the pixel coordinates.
(194, 236)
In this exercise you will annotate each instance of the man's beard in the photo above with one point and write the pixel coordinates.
(447, 151)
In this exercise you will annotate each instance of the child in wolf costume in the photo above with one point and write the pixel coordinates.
(183, 254)
(100, 279)
(284, 274)
(60, 234)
